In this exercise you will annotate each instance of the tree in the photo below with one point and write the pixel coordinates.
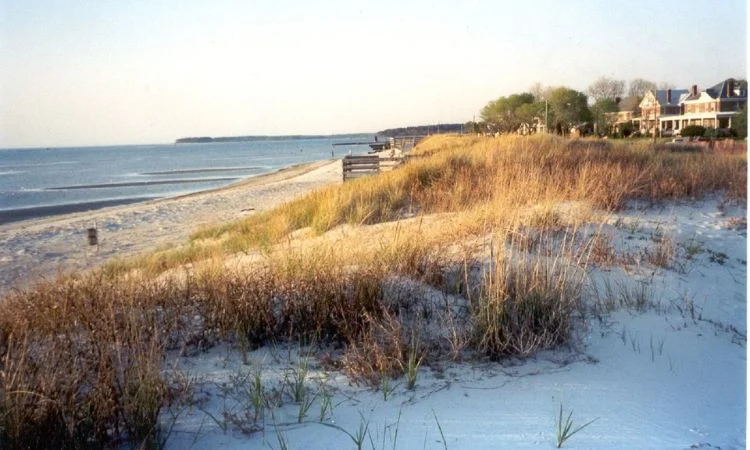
(506, 114)
(567, 107)
(529, 113)
(638, 87)
(540, 92)
(606, 88)
(739, 123)
(600, 112)
(472, 127)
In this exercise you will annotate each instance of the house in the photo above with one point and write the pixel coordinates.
(713, 107)
(668, 111)
(628, 113)
(662, 104)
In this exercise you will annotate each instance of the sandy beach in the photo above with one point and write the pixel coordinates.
(43, 247)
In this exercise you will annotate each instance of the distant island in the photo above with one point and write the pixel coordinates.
(207, 139)
(422, 130)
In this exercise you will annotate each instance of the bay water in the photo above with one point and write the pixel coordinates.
(49, 181)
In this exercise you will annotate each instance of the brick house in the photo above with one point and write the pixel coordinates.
(713, 107)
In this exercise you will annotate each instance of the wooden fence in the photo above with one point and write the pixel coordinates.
(355, 166)
(406, 143)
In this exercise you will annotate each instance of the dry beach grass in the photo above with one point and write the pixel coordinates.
(477, 250)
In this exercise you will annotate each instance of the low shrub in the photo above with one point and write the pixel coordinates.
(693, 131)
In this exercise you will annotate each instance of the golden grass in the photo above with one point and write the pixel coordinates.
(494, 222)
(496, 176)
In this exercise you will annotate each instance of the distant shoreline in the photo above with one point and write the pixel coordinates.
(209, 139)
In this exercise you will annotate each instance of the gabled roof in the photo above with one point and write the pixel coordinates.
(704, 95)
(678, 95)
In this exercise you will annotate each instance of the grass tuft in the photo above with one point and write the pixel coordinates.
(565, 428)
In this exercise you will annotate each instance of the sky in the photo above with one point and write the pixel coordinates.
(109, 72)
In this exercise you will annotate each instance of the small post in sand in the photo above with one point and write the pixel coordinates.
(92, 237)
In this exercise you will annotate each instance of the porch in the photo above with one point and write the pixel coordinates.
(672, 124)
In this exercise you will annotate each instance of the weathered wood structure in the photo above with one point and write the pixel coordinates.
(406, 143)
(355, 166)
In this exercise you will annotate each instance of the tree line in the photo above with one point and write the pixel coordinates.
(560, 108)
(422, 130)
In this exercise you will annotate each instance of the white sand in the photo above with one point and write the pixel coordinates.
(672, 376)
(40, 248)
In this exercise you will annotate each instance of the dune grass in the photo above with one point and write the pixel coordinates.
(460, 174)
(492, 223)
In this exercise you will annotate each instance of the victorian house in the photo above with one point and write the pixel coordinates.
(670, 110)
(656, 106)
(715, 106)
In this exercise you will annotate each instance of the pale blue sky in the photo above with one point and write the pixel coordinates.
(97, 72)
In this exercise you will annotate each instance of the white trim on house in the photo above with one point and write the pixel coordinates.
(702, 98)
(666, 118)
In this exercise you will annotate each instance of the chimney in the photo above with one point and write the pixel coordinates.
(694, 90)
(730, 87)
(669, 96)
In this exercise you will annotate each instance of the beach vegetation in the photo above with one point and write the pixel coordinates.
(493, 178)
(565, 428)
(488, 235)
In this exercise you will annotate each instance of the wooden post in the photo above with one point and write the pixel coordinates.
(92, 236)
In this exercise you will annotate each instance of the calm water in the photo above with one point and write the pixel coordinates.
(43, 182)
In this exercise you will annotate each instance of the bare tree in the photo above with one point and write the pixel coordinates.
(606, 88)
(540, 91)
(639, 86)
